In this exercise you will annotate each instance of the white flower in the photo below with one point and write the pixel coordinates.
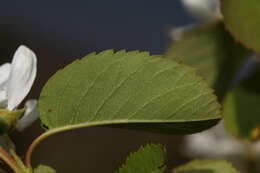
(16, 80)
(176, 33)
(206, 10)
(216, 143)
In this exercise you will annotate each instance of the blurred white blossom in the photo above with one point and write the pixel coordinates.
(216, 143)
(204, 10)
(176, 32)
(16, 80)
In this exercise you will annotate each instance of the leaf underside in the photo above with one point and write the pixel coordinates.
(148, 159)
(128, 88)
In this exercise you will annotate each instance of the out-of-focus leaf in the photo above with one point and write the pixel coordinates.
(212, 51)
(242, 19)
(148, 159)
(130, 89)
(242, 113)
(241, 109)
(44, 169)
(206, 166)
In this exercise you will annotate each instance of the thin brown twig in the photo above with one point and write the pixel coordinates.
(9, 160)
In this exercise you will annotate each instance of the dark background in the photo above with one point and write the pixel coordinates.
(61, 31)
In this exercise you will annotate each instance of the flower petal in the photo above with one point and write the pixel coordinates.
(206, 10)
(200, 145)
(256, 148)
(22, 76)
(31, 114)
(177, 32)
(4, 74)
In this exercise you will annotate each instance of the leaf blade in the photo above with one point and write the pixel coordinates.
(121, 88)
(213, 52)
(206, 166)
(148, 159)
(237, 106)
(241, 18)
(44, 169)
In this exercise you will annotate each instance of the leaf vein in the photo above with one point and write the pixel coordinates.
(118, 87)
(85, 93)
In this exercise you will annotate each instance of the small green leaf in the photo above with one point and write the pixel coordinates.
(44, 169)
(242, 19)
(211, 50)
(128, 89)
(206, 166)
(148, 159)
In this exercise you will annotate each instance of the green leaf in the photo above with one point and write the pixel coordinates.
(242, 19)
(241, 108)
(148, 159)
(206, 166)
(44, 169)
(133, 90)
(241, 113)
(211, 50)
